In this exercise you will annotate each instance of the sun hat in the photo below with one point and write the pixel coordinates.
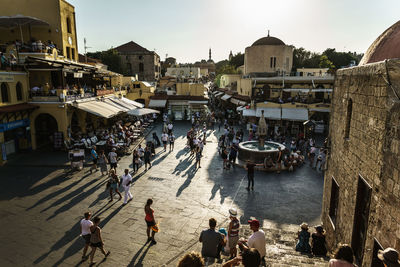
(390, 257)
(233, 212)
(304, 226)
(254, 222)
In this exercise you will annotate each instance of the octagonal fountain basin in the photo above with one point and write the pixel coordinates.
(251, 151)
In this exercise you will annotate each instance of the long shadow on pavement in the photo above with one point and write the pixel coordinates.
(139, 262)
(190, 173)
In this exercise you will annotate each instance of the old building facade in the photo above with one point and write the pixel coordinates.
(137, 60)
(361, 203)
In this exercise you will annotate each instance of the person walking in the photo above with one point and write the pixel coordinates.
(102, 162)
(94, 157)
(171, 141)
(198, 156)
(164, 139)
(96, 240)
(126, 183)
(147, 155)
(114, 184)
(135, 160)
(279, 159)
(170, 126)
(250, 173)
(113, 159)
(233, 232)
(150, 221)
(86, 223)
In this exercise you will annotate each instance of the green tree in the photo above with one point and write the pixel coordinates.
(237, 60)
(110, 58)
(324, 62)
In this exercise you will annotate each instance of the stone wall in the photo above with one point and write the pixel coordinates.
(371, 151)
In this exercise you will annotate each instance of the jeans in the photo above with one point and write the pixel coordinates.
(250, 178)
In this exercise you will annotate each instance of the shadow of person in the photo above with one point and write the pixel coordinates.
(190, 174)
(139, 262)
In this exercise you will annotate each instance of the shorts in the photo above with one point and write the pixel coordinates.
(96, 245)
(151, 223)
(95, 161)
(147, 161)
(87, 238)
(113, 165)
(232, 241)
(164, 142)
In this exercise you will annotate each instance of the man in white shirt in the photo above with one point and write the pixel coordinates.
(126, 183)
(170, 126)
(164, 139)
(86, 223)
(256, 240)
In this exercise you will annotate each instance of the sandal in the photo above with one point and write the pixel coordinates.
(107, 254)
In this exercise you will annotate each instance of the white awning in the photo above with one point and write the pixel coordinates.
(301, 90)
(157, 103)
(132, 103)
(249, 113)
(99, 108)
(226, 97)
(295, 114)
(240, 108)
(117, 103)
(218, 94)
(270, 113)
(142, 111)
(198, 102)
(321, 109)
(238, 102)
(322, 90)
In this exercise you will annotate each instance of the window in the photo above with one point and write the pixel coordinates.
(272, 62)
(68, 25)
(348, 118)
(4, 93)
(141, 67)
(68, 52)
(18, 88)
(73, 53)
(333, 205)
(140, 57)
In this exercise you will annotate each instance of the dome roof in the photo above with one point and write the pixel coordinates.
(269, 40)
(386, 46)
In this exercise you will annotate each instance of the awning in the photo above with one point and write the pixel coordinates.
(270, 113)
(157, 103)
(322, 90)
(300, 90)
(240, 108)
(238, 102)
(117, 103)
(131, 102)
(295, 114)
(226, 97)
(99, 108)
(218, 94)
(321, 109)
(198, 102)
(142, 111)
(249, 113)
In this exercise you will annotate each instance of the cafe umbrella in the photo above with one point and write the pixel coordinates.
(19, 21)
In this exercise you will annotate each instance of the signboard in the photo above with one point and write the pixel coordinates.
(78, 74)
(14, 124)
(6, 78)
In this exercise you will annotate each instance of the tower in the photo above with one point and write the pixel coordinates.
(209, 54)
(230, 56)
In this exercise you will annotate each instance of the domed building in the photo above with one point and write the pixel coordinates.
(266, 56)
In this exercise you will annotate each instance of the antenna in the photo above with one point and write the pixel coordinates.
(85, 47)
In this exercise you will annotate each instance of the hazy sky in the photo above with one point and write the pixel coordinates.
(186, 29)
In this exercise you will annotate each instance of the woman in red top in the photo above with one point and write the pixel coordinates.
(150, 221)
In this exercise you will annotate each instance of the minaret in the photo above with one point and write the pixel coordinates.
(209, 54)
(230, 56)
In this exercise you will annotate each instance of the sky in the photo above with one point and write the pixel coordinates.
(186, 29)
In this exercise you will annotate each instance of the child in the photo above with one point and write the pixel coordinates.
(303, 235)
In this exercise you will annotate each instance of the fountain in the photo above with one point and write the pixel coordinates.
(257, 151)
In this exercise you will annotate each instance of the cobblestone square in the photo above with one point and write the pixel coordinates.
(41, 206)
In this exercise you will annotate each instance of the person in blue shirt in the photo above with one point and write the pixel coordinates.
(94, 157)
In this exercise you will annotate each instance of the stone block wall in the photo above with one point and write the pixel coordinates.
(371, 151)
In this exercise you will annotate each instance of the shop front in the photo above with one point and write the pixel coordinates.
(15, 134)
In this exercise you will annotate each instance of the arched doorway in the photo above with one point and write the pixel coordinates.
(141, 101)
(45, 127)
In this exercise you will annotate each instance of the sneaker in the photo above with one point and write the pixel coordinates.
(252, 188)
(153, 242)
(247, 188)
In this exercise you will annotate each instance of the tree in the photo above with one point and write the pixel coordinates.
(237, 60)
(110, 58)
(324, 62)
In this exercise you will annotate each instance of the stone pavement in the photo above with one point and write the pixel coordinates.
(41, 207)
